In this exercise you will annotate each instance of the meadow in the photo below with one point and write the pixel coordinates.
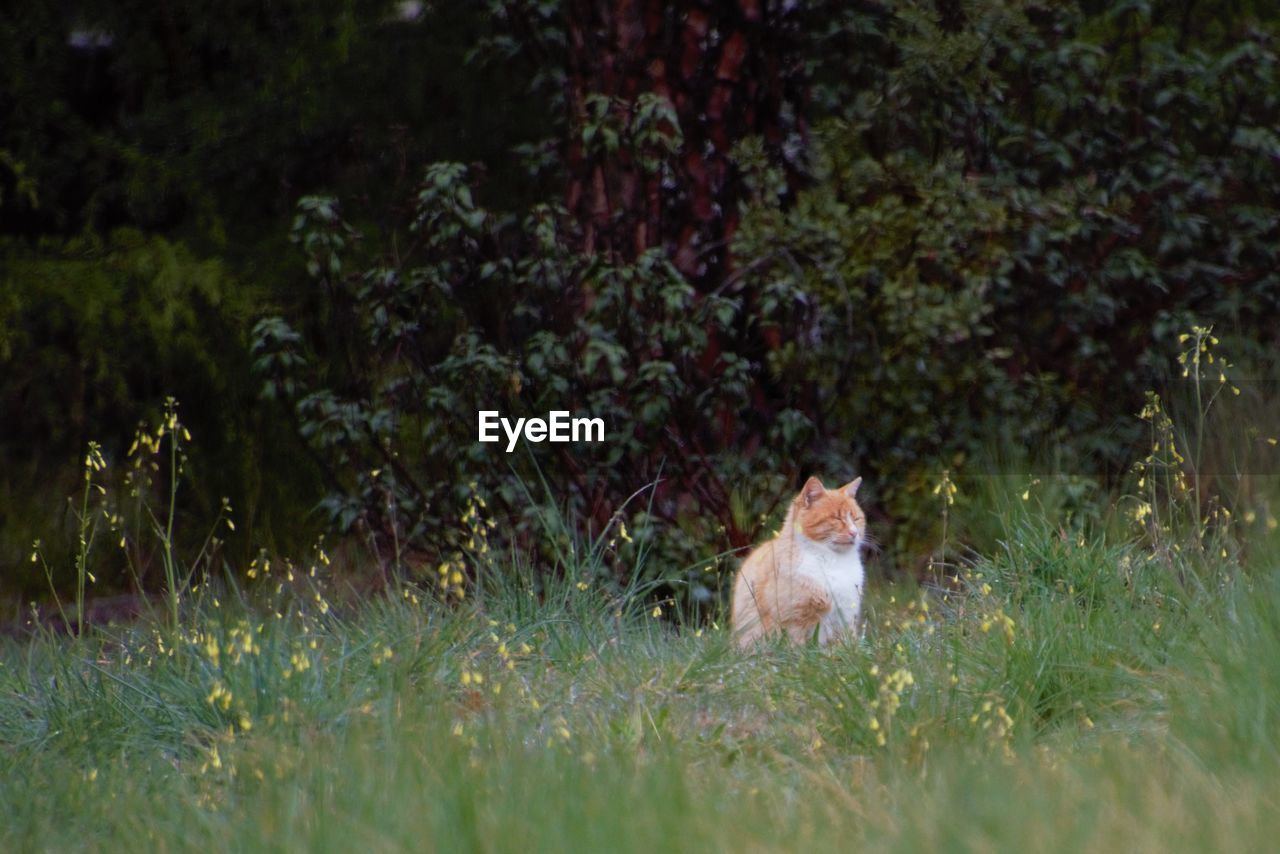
(947, 247)
(1078, 686)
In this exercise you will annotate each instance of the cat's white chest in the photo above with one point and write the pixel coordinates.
(842, 576)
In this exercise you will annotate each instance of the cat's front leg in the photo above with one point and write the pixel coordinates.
(803, 607)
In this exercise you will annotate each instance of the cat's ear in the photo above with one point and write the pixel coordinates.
(812, 491)
(851, 488)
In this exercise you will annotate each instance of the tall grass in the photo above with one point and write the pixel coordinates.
(1069, 692)
(1089, 675)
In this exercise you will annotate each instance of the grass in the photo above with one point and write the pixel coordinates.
(1098, 673)
(1066, 692)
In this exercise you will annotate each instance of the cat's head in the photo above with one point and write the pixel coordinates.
(831, 517)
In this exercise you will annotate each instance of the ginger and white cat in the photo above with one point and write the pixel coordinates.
(808, 577)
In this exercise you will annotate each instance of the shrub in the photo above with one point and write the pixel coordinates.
(1010, 220)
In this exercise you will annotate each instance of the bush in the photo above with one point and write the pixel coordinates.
(1011, 226)
(495, 314)
(1010, 220)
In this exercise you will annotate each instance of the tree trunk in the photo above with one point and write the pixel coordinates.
(729, 70)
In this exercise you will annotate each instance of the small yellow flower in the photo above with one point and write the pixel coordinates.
(656, 612)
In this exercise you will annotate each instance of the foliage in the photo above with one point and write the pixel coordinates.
(967, 225)
(1008, 226)
(90, 332)
(1017, 219)
(209, 119)
(148, 163)
(493, 314)
(1011, 225)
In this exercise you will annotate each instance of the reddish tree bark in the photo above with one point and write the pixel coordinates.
(729, 70)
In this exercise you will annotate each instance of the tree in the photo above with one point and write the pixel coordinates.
(646, 78)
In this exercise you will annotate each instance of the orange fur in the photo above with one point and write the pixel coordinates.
(809, 578)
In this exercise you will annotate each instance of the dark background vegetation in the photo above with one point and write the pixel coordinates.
(760, 239)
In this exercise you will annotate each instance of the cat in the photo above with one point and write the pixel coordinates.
(810, 576)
